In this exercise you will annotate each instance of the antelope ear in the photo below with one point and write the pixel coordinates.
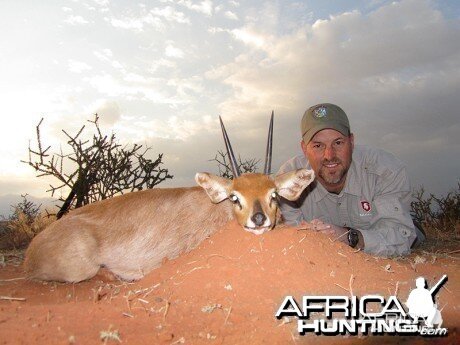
(216, 187)
(291, 184)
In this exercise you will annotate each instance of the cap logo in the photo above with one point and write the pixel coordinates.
(320, 112)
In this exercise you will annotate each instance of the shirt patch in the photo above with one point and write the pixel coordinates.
(366, 208)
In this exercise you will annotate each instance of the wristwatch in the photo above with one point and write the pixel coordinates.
(353, 237)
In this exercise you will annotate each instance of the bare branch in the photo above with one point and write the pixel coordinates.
(100, 167)
(225, 170)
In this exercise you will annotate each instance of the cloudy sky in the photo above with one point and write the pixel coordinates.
(160, 72)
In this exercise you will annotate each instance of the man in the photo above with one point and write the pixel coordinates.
(360, 195)
(420, 304)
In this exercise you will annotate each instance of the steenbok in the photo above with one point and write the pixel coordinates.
(130, 234)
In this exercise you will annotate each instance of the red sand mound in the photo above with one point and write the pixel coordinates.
(224, 292)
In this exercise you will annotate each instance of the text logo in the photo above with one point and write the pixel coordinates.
(370, 314)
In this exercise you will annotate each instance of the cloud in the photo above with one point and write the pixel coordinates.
(395, 71)
(231, 15)
(171, 15)
(104, 55)
(188, 88)
(102, 2)
(182, 128)
(133, 87)
(136, 23)
(393, 66)
(172, 128)
(78, 66)
(190, 151)
(214, 30)
(343, 50)
(108, 110)
(162, 64)
(174, 52)
(249, 36)
(204, 7)
(100, 5)
(196, 140)
(76, 20)
(154, 18)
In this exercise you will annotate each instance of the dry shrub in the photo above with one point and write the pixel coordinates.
(439, 216)
(225, 170)
(19, 231)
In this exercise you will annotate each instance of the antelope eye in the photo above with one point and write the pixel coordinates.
(274, 195)
(233, 198)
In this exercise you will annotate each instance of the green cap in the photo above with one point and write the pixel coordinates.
(322, 116)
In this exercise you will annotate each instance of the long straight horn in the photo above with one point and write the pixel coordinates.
(268, 153)
(231, 156)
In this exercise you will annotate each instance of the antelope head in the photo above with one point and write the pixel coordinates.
(255, 196)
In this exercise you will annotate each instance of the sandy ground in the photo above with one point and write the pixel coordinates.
(224, 292)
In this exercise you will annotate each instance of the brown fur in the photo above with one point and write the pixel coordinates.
(128, 234)
(132, 233)
(256, 189)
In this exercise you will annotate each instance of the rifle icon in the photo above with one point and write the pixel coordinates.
(437, 286)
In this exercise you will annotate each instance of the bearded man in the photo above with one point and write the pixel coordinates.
(361, 195)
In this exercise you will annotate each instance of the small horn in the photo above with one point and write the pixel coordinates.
(268, 153)
(231, 156)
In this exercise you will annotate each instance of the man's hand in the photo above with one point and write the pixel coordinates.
(336, 233)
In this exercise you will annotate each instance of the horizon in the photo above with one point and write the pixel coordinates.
(160, 73)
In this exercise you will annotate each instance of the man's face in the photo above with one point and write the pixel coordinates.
(329, 153)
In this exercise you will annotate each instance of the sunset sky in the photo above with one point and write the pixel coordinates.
(159, 73)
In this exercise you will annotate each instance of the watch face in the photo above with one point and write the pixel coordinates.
(353, 238)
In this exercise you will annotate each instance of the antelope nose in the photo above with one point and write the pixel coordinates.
(258, 218)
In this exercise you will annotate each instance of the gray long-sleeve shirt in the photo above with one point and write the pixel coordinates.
(375, 200)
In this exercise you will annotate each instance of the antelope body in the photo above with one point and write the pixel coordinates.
(130, 234)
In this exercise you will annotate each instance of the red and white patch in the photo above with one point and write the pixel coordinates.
(366, 206)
